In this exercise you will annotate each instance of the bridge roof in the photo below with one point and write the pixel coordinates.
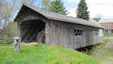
(64, 18)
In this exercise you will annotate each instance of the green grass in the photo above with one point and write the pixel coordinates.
(42, 54)
(106, 35)
(103, 52)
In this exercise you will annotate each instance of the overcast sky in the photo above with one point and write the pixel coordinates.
(103, 8)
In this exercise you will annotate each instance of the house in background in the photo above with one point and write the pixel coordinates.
(108, 25)
(37, 25)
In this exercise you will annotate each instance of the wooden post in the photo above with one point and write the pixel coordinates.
(16, 44)
(17, 39)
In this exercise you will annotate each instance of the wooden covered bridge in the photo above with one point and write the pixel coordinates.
(37, 25)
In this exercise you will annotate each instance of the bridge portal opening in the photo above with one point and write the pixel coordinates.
(32, 31)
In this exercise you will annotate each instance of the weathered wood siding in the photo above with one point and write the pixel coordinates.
(26, 16)
(29, 15)
(58, 33)
(62, 34)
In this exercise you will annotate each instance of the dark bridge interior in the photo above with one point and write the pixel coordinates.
(32, 31)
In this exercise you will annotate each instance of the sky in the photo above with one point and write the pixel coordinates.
(102, 8)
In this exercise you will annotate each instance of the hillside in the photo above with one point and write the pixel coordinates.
(42, 54)
(104, 52)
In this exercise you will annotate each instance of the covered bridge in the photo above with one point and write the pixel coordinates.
(37, 25)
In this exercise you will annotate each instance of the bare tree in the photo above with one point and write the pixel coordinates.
(28, 1)
(45, 4)
(6, 10)
(9, 8)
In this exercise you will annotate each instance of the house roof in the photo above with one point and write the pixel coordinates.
(64, 18)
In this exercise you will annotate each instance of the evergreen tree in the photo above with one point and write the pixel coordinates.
(57, 6)
(82, 10)
(97, 18)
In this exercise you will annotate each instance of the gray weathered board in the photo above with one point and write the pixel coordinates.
(58, 32)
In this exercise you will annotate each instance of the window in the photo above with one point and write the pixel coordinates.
(95, 32)
(78, 32)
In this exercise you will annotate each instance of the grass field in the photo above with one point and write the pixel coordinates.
(42, 54)
(104, 52)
